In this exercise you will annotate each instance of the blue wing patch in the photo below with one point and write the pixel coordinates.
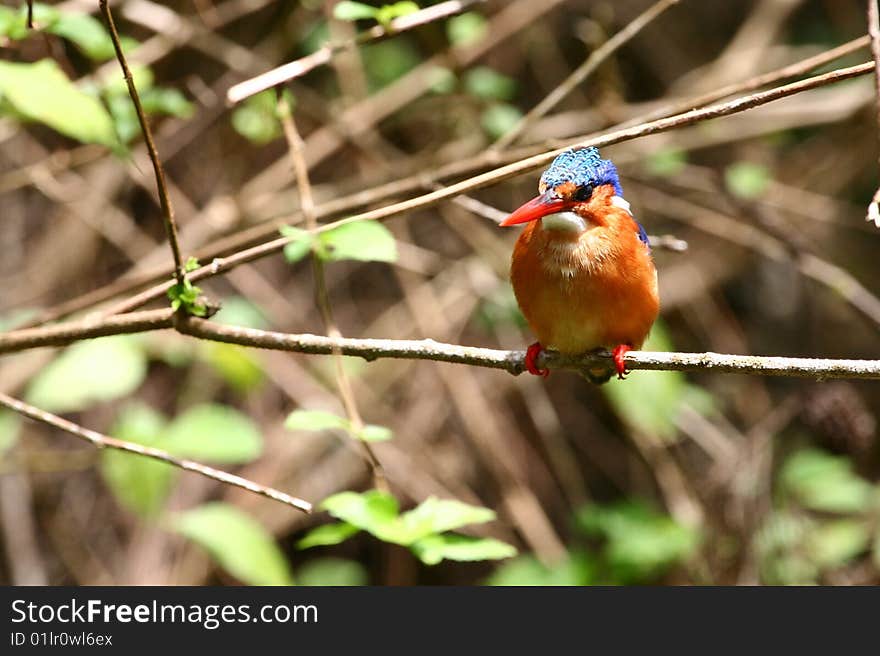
(643, 236)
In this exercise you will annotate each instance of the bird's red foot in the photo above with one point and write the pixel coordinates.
(531, 360)
(619, 351)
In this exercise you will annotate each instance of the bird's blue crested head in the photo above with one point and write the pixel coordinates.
(583, 167)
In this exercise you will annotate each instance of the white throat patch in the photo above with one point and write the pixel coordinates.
(620, 201)
(565, 221)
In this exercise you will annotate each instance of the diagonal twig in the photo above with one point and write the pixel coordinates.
(874, 32)
(106, 442)
(164, 197)
(301, 66)
(582, 72)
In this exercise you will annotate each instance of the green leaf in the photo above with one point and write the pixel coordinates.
(651, 400)
(439, 515)
(483, 82)
(352, 11)
(666, 162)
(373, 433)
(332, 571)
(747, 179)
(435, 548)
(237, 542)
(170, 102)
(363, 240)
(192, 263)
(327, 535)
(41, 92)
(87, 33)
(373, 511)
(140, 484)
(388, 13)
(577, 569)
(300, 245)
(257, 120)
(10, 425)
(88, 372)
(823, 482)
(836, 542)
(213, 432)
(188, 296)
(315, 420)
(641, 543)
(499, 119)
(466, 29)
(13, 22)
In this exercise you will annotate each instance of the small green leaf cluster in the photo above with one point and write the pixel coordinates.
(424, 529)
(827, 516)
(187, 296)
(353, 11)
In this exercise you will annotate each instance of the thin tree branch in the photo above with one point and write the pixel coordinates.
(30, 14)
(301, 66)
(67, 333)
(514, 361)
(307, 203)
(874, 32)
(164, 197)
(516, 168)
(106, 442)
(582, 72)
(373, 349)
(414, 182)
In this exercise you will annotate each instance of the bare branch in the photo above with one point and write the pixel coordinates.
(106, 442)
(164, 197)
(582, 72)
(874, 32)
(514, 361)
(301, 66)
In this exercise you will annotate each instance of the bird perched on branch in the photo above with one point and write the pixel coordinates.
(582, 269)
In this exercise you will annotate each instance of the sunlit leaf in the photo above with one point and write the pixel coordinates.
(442, 80)
(140, 484)
(87, 32)
(213, 432)
(257, 119)
(347, 10)
(466, 29)
(374, 511)
(239, 311)
(439, 515)
(238, 543)
(89, 372)
(361, 240)
(373, 433)
(326, 535)
(41, 92)
(388, 13)
(237, 365)
(315, 420)
(387, 61)
(435, 548)
(332, 571)
(300, 244)
(824, 482)
(747, 179)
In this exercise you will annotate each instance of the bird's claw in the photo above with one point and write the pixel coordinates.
(532, 354)
(619, 351)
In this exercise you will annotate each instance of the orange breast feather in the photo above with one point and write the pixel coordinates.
(581, 292)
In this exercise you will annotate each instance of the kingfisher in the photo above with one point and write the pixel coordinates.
(582, 269)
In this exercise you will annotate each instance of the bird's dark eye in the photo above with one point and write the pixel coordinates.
(582, 193)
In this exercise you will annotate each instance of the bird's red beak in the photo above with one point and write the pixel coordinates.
(546, 203)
